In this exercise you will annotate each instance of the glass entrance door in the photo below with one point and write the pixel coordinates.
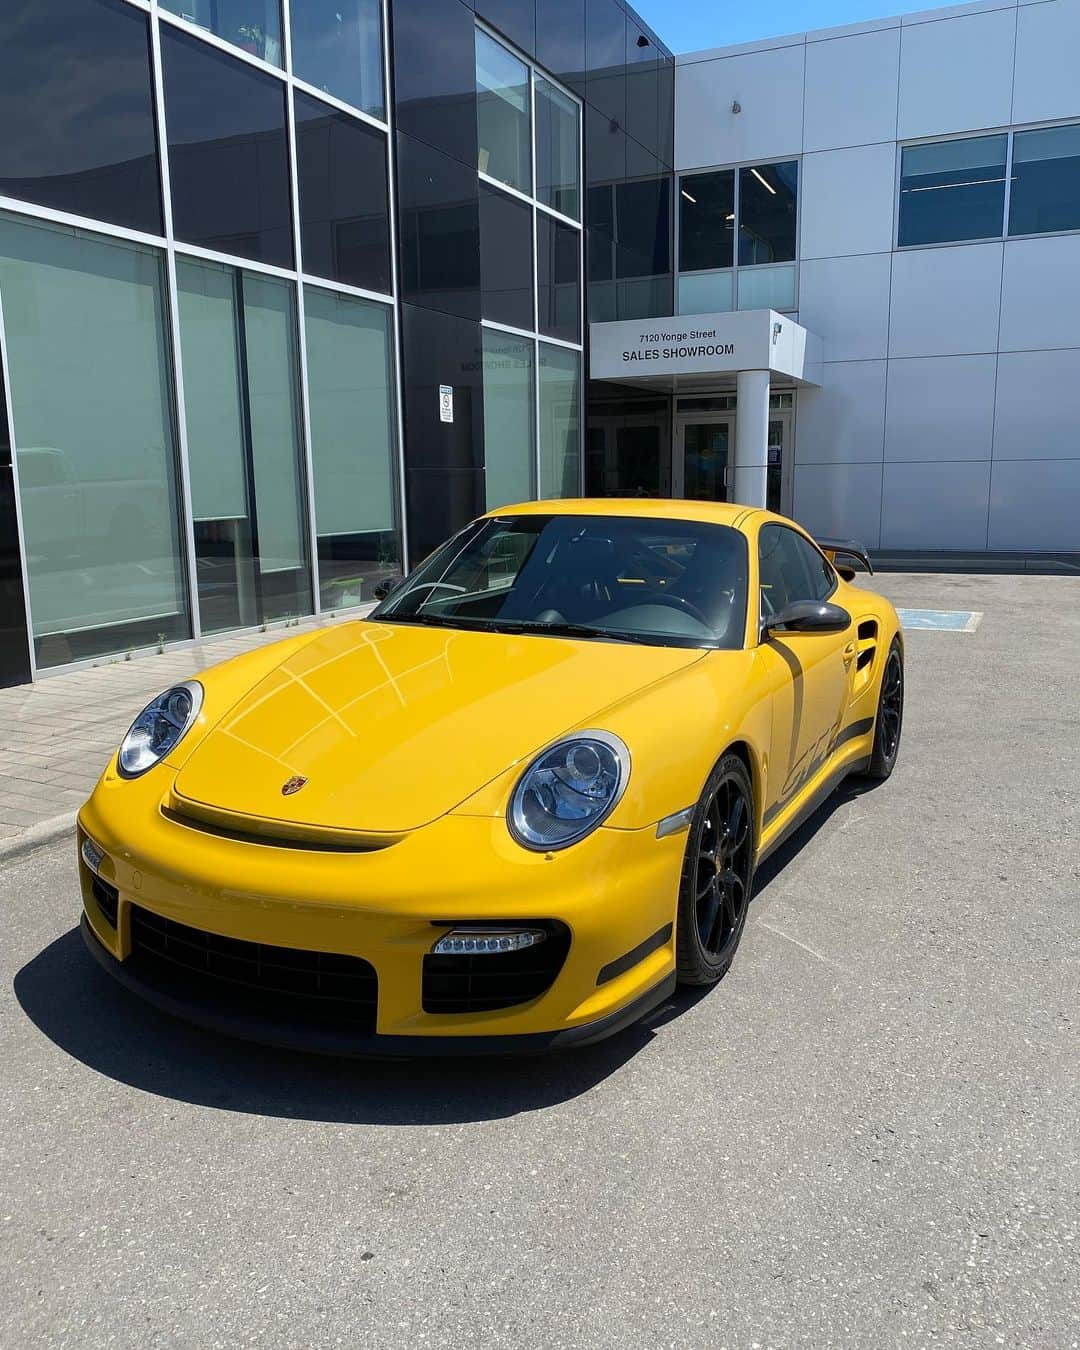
(704, 449)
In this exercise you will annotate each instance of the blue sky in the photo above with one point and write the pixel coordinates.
(689, 25)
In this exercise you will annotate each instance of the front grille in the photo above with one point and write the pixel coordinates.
(253, 977)
(462, 983)
(106, 897)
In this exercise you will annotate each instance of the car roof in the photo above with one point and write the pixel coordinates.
(647, 508)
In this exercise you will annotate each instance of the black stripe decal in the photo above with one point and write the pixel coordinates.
(853, 732)
(629, 959)
(850, 733)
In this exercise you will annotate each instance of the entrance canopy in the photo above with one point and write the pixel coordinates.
(699, 351)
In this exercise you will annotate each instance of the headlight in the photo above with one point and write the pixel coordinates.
(159, 727)
(568, 790)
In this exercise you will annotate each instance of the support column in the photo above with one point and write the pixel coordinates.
(751, 438)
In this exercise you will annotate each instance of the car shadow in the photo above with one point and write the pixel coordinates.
(88, 1016)
(774, 864)
(75, 1004)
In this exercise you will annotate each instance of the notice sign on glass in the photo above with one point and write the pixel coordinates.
(446, 402)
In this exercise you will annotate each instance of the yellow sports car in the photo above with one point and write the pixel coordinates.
(512, 807)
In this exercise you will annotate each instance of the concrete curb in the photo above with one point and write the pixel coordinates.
(36, 836)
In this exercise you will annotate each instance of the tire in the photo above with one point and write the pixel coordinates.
(717, 876)
(889, 721)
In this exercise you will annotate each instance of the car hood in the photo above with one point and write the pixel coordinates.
(394, 725)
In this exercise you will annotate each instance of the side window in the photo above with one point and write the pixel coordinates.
(790, 569)
(819, 570)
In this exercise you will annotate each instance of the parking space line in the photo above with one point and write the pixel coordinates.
(941, 620)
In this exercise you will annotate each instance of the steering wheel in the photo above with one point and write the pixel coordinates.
(677, 602)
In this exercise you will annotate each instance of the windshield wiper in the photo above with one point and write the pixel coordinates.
(580, 630)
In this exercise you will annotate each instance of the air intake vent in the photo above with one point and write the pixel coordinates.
(106, 896)
(252, 977)
(868, 633)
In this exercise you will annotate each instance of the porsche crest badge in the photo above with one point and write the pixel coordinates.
(293, 784)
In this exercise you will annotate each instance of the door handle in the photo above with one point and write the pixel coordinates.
(850, 653)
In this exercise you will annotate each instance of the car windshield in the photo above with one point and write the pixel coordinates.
(620, 578)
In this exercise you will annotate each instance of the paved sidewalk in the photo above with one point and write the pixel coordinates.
(56, 735)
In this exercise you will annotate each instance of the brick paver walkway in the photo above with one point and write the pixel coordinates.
(56, 735)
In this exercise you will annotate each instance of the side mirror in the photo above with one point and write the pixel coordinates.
(807, 616)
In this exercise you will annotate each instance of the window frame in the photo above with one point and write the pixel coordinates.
(736, 167)
(1010, 132)
(538, 207)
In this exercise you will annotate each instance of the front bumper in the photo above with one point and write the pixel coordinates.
(616, 892)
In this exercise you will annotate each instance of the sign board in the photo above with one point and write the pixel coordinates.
(701, 344)
(446, 402)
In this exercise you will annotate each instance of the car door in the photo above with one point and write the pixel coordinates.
(810, 672)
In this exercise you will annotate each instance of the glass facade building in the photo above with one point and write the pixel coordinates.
(237, 272)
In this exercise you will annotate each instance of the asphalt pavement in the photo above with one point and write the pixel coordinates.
(866, 1136)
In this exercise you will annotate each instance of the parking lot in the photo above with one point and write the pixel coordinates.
(867, 1135)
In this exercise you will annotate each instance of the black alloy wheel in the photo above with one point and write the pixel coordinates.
(890, 716)
(718, 873)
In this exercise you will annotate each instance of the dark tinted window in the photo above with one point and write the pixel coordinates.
(672, 582)
(558, 279)
(790, 569)
(605, 56)
(707, 220)
(252, 25)
(767, 213)
(337, 46)
(1046, 181)
(228, 155)
(506, 262)
(952, 190)
(440, 231)
(344, 215)
(642, 87)
(77, 110)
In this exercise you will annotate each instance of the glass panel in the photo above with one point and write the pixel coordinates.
(73, 139)
(1046, 181)
(352, 442)
(252, 25)
(558, 286)
(344, 206)
(707, 220)
(216, 440)
(337, 46)
(706, 293)
(705, 458)
(502, 114)
(767, 218)
(272, 360)
(440, 231)
(85, 317)
(767, 287)
(645, 297)
(642, 226)
(952, 190)
(560, 422)
(506, 258)
(509, 419)
(434, 63)
(239, 360)
(558, 144)
(228, 154)
(605, 59)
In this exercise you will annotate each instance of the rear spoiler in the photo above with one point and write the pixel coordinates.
(837, 549)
